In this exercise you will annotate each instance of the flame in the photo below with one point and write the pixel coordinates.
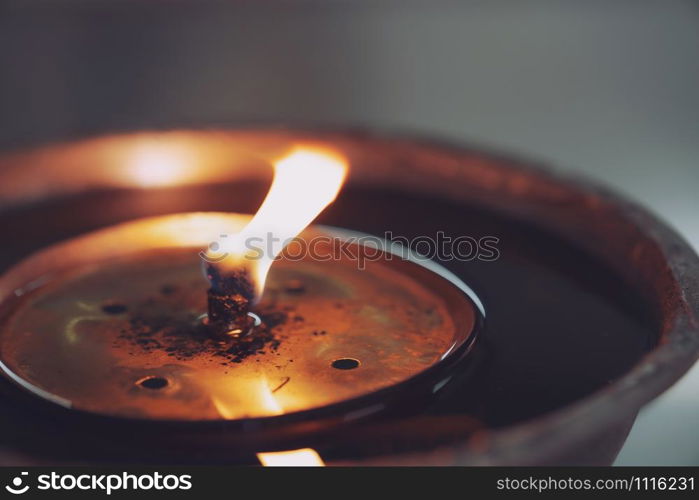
(305, 182)
(304, 457)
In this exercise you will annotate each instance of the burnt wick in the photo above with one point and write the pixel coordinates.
(229, 300)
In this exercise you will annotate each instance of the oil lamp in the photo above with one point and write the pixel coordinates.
(120, 343)
(119, 322)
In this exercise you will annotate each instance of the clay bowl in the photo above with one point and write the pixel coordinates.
(591, 307)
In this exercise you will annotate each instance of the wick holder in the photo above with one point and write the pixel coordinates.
(116, 332)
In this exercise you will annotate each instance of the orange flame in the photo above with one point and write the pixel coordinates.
(304, 457)
(305, 182)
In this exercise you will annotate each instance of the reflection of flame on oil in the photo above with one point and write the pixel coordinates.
(305, 182)
(254, 395)
(156, 164)
(304, 457)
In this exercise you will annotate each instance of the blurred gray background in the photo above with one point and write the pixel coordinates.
(609, 88)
